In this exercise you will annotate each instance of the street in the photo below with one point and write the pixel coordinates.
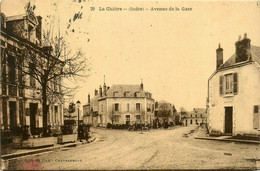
(155, 149)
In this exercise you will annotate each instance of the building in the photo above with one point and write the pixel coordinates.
(234, 91)
(20, 95)
(120, 104)
(197, 116)
(164, 112)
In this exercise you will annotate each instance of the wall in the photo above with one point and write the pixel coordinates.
(108, 108)
(248, 96)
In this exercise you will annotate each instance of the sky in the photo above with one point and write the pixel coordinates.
(173, 52)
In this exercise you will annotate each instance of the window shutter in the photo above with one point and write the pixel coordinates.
(221, 85)
(235, 82)
(256, 118)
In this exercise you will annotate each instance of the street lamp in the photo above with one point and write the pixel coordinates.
(78, 106)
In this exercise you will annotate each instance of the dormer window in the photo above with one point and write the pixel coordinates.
(137, 94)
(115, 94)
(127, 94)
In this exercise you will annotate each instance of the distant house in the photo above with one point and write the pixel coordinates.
(164, 112)
(90, 110)
(234, 91)
(197, 116)
(120, 104)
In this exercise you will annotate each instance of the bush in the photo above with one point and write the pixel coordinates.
(109, 125)
(117, 126)
(215, 133)
(17, 130)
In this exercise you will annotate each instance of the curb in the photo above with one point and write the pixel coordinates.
(229, 140)
(14, 155)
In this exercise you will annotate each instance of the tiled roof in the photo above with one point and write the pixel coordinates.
(120, 91)
(198, 110)
(255, 52)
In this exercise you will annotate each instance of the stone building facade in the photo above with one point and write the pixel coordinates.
(234, 91)
(120, 104)
(20, 95)
(197, 116)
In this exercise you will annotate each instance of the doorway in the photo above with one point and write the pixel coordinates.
(33, 112)
(228, 120)
(127, 122)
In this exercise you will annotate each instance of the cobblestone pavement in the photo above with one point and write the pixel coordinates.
(156, 149)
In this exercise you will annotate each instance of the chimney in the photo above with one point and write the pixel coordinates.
(88, 98)
(219, 53)
(104, 86)
(142, 85)
(243, 49)
(100, 90)
(105, 89)
(96, 92)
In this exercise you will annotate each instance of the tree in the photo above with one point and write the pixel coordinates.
(112, 116)
(71, 109)
(50, 63)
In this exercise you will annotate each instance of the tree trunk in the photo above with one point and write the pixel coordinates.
(44, 109)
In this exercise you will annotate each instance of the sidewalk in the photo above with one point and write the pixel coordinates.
(24, 152)
(202, 134)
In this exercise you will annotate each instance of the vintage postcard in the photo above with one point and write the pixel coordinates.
(130, 85)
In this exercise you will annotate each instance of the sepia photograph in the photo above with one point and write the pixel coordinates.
(130, 85)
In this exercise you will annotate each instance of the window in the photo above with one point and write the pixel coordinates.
(11, 67)
(228, 84)
(115, 94)
(138, 106)
(32, 79)
(148, 107)
(116, 106)
(55, 113)
(191, 121)
(138, 117)
(191, 116)
(255, 109)
(127, 117)
(127, 107)
(196, 116)
(127, 94)
(256, 117)
(137, 94)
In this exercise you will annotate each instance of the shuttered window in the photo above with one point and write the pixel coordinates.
(221, 85)
(228, 84)
(235, 83)
(256, 117)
